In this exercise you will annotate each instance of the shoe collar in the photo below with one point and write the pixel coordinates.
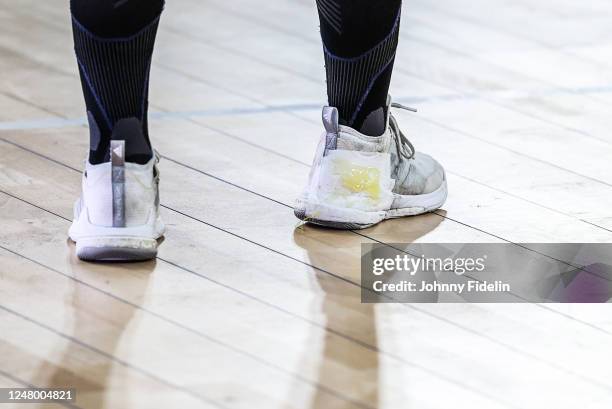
(330, 118)
(129, 165)
(344, 137)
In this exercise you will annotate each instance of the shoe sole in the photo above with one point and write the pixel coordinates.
(301, 214)
(116, 249)
(100, 243)
(114, 254)
(353, 219)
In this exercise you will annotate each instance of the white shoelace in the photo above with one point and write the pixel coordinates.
(404, 146)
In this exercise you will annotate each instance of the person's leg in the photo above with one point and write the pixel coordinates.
(365, 170)
(359, 40)
(114, 41)
(117, 216)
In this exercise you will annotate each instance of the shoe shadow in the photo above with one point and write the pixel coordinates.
(345, 313)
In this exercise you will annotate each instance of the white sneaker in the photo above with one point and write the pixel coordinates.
(357, 180)
(117, 217)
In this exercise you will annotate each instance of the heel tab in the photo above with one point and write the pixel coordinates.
(330, 119)
(117, 150)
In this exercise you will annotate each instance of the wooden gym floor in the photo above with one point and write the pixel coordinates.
(246, 308)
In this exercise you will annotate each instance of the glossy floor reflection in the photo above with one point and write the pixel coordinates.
(344, 310)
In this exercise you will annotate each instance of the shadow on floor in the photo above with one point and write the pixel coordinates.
(352, 371)
(92, 376)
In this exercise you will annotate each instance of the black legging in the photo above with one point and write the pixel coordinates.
(360, 39)
(114, 41)
(115, 18)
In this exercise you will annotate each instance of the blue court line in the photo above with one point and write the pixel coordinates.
(47, 123)
(42, 123)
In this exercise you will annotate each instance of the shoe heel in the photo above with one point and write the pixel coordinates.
(354, 180)
(348, 190)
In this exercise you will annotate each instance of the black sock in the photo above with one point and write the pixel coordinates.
(359, 40)
(114, 42)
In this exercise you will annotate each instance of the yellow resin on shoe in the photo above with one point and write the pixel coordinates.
(353, 180)
(359, 179)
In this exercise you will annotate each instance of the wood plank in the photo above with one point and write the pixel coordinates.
(180, 357)
(33, 353)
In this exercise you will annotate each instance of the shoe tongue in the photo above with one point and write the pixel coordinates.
(330, 119)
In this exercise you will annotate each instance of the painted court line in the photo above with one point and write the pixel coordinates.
(48, 123)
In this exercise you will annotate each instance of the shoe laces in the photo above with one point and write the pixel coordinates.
(404, 147)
